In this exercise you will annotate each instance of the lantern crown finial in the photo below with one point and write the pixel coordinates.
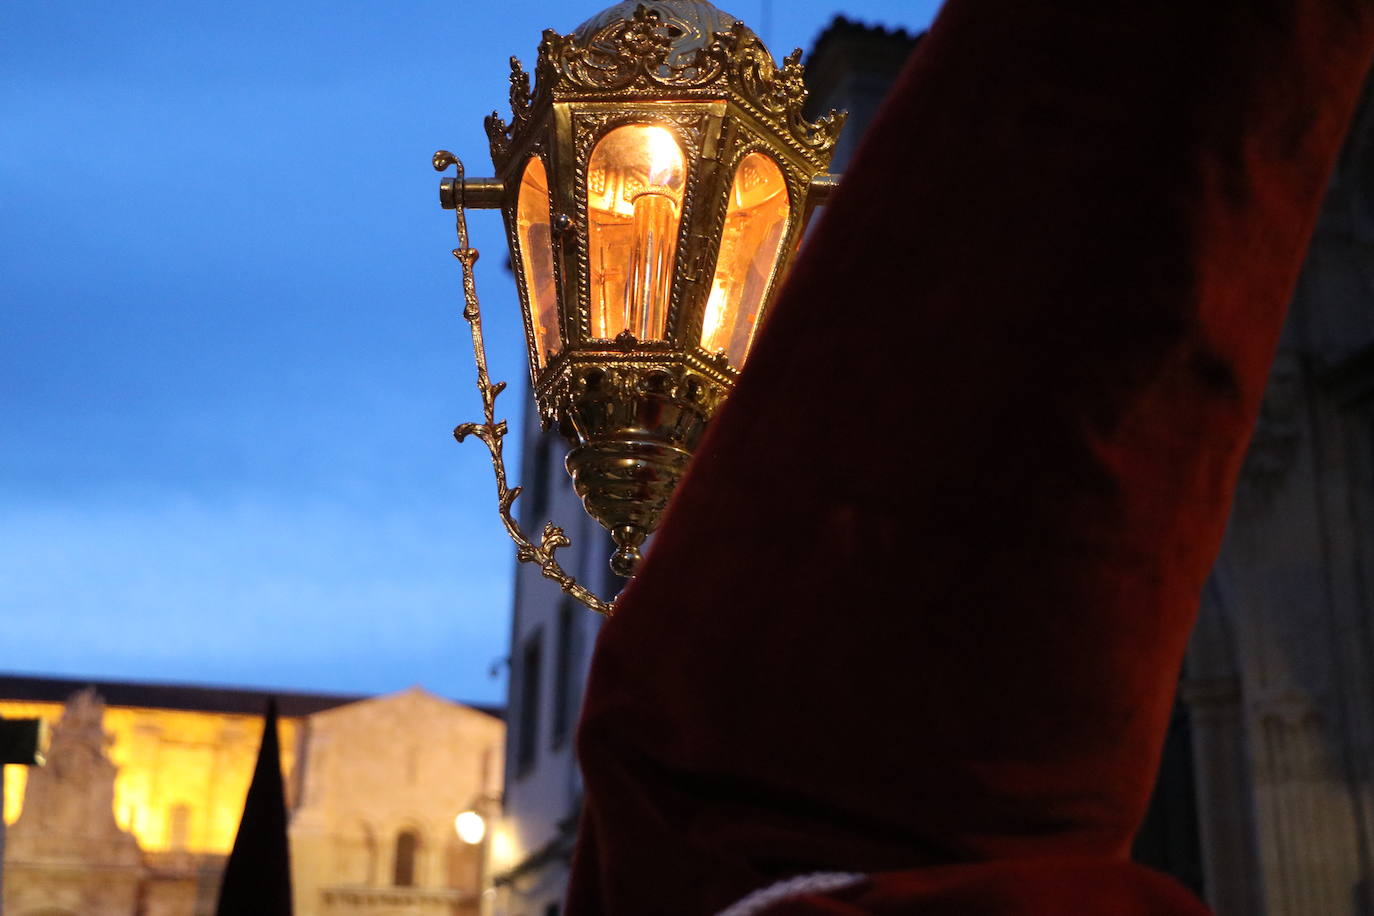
(688, 26)
(654, 49)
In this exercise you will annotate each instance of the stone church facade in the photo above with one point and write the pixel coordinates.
(136, 808)
(372, 824)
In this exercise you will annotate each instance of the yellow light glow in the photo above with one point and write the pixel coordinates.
(751, 242)
(636, 178)
(505, 848)
(471, 827)
(165, 759)
(536, 254)
(665, 156)
(715, 312)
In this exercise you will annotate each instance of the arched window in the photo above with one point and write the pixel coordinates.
(407, 845)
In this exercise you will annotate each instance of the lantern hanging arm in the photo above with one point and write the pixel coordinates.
(458, 195)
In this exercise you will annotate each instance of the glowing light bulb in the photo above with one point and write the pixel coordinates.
(636, 176)
(665, 156)
(471, 827)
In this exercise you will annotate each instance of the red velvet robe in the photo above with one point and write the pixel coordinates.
(918, 609)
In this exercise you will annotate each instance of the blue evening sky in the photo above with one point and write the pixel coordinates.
(231, 352)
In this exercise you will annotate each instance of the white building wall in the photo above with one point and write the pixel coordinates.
(530, 853)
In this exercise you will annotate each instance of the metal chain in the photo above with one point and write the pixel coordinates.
(492, 431)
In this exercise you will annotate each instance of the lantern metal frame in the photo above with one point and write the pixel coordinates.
(634, 409)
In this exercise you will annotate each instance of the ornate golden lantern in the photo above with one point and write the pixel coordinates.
(655, 184)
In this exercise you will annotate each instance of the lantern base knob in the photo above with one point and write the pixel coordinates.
(625, 484)
(626, 559)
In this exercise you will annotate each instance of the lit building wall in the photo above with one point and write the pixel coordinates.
(182, 775)
(373, 787)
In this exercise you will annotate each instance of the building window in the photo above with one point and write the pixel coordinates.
(540, 481)
(407, 845)
(527, 734)
(179, 826)
(564, 690)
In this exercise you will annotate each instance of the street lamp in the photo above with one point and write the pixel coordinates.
(655, 183)
(470, 826)
(474, 828)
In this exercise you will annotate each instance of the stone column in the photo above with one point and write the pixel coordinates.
(1307, 836)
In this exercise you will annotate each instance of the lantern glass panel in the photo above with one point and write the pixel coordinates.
(536, 256)
(755, 224)
(635, 181)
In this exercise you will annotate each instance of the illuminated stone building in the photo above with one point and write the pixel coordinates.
(373, 807)
(137, 807)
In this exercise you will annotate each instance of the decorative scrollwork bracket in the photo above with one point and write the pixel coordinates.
(492, 432)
